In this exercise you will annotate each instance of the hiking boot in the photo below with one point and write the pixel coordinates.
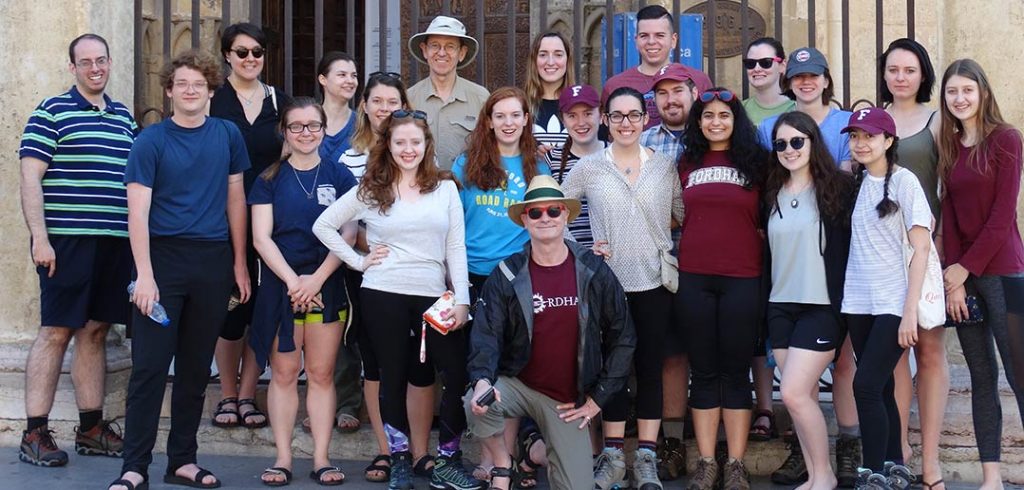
(102, 440)
(610, 470)
(706, 475)
(794, 470)
(450, 474)
(401, 471)
(671, 459)
(645, 470)
(868, 480)
(898, 476)
(848, 459)
(39, 448)
(735, 476)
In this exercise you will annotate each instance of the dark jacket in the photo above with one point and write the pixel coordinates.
(502, 330)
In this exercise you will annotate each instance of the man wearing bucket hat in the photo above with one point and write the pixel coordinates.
(451, 102)
(552, 340)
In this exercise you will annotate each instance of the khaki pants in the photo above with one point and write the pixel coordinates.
(571, 465)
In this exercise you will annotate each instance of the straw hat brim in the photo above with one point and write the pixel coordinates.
(515, 211)
(416, 52)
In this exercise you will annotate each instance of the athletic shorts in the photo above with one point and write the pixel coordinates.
(90, 281)
(811, 327)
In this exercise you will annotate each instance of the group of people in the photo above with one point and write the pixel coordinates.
(563, 242)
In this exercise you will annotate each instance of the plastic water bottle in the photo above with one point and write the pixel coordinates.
(158, 313)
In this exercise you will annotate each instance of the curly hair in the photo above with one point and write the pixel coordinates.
(483, 160)
(377, 187)
(832, 187)
(745, 151)
(197, 60)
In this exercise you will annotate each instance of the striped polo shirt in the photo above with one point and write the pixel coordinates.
(86, 150)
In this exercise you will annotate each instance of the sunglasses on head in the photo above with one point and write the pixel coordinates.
(385, 74)
(243, 53)
(554, 211)
(766, 63)
(404, 113)
(796, 143)
(722, 95)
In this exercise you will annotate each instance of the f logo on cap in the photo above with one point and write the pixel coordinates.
(802, 56)
(576, 90)
(863, 113)
(663, 70)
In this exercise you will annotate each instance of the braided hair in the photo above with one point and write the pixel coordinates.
(886, 206)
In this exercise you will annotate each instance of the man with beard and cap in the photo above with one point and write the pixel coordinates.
(676, 86)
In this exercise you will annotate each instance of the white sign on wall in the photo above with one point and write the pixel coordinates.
(393, 31)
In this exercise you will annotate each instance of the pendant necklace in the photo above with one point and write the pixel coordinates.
(795, 203)
(248, 100)
(316, 176)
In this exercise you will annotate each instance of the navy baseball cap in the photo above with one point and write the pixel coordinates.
(806, 60)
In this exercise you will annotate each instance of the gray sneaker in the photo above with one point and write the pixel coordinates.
(645, 470)
(610, 470)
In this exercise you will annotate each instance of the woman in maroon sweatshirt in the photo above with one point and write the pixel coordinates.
(980, 165)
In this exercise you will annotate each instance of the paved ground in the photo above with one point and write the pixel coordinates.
(235, 472)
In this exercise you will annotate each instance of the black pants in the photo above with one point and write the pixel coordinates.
(1003, 297)
(721, 316)
(195, 280)
(875, 342)
(394, 322)
(652, 315)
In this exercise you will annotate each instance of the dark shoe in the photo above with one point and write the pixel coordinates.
(794, 470)
(222, 409)
(276, 471)
(381, 463)
(197, 482)
(899, 476)
(424, 466)
(735, 476)
(39, 448)
(449, 474)
(255, 412)
(498, 472)
(318, 476)
(867, 480)
(524, 474)
(401, 471)
(671, 459)
(129, 485)
(706, 475)
(763, 432)
(848, 459)
(102, 440)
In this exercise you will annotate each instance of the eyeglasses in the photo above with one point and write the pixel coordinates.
(451, 49)
(243, 53)
(766, 63)
(722, 95)
(184, 85)
(313, 127)
(100, 62)
(404, 113)
(553, 211)
(385, 74)
(618, 117)
(796, 143)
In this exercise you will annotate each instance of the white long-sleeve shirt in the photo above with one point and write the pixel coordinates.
(422, 236)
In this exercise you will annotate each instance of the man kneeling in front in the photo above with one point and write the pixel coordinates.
(553, 337)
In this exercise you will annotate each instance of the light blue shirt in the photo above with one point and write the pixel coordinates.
(838, 143)
(490, 235)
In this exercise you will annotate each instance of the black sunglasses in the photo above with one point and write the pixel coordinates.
(796, 142)
(554, 211)
(385, 74)
(766, 63)
(243, 53)
(404, 113)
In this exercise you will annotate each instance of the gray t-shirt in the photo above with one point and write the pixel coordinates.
(798, 267)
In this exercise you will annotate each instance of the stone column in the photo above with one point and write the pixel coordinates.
(34, 46)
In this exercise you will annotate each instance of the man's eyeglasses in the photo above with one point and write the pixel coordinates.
(184, 85)
(100, 62)
(450, 49)
(766, 63)
(313, 127)
(618, 117)
(402, 113)
(796, 143)
(242, 53)
(722, 95)
(553, 211)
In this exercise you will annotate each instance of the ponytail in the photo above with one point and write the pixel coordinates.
(887, 206)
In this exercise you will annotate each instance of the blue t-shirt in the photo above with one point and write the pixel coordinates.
(187, 169)
(333, 146)
(295, 211)
(838, 143)
(490, 235)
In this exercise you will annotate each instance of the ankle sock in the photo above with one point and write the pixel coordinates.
(650, 445)
(87, 419)
(615, 442)
(37, 422)
(448, 449)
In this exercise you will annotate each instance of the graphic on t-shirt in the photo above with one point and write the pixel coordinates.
(325, 194)
(540, 303)
(497, 204)
(715, 175)
(554, 127)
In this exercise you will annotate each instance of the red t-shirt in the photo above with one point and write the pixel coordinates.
(552, 366)
(720, 230)
(979, 211)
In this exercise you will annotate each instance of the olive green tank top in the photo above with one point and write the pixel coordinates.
(919, 154)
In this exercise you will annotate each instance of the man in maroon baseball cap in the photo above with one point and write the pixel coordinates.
(676, 86)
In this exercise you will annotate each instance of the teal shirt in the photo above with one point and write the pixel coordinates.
(490, 235)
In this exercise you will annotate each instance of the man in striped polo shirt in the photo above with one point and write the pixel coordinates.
(73, 154)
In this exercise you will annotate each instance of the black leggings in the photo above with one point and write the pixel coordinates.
(1003, 298)
(652, 315)
(721, 317)
(875, 340)
(393, 322)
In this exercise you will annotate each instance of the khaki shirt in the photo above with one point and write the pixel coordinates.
(450, 121)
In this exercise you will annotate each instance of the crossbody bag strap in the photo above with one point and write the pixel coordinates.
(651, 229)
